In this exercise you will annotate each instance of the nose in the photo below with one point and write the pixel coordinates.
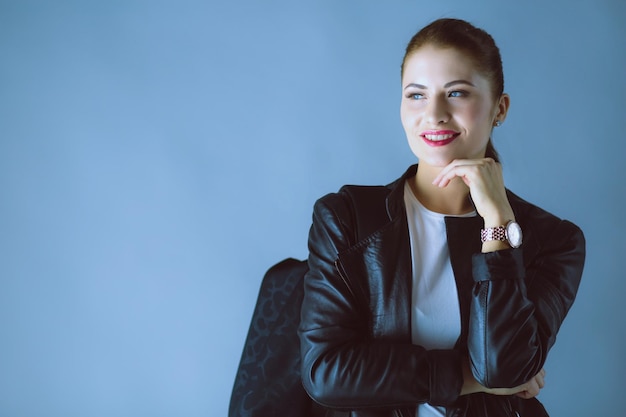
(437, 111)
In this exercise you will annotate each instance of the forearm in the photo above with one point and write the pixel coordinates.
(504, 345)
(372, 374)
(520, 300)
(344, 366)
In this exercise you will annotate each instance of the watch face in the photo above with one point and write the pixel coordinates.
(514, 234)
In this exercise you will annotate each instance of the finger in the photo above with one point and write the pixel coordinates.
(447, 170)
(465, 170)
(532, 390)
(541, 382)
(525, 395)
(443, 177)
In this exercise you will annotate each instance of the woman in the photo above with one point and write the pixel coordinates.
(450, 304)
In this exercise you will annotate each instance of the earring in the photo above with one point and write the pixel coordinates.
(498, 123)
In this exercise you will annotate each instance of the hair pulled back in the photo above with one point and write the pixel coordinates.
(474, 42)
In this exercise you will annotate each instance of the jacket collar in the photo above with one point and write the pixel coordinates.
(395, 199)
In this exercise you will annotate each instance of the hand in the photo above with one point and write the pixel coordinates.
(526, 391)
(486, 184)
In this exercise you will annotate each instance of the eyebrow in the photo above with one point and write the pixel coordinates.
(447, 85)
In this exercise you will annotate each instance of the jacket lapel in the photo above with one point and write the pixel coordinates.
(379, 271)
(463, 242)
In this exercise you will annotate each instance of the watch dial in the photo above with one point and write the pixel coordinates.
(514, 233)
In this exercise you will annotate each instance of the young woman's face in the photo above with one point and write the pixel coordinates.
(447, 108)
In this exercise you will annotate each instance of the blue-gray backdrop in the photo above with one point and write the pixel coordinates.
(157, 156)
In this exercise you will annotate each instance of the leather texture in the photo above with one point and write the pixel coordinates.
(355, 330)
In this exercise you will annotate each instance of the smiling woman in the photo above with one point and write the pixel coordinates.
(476, 46)
(442, 310)
(447, 101)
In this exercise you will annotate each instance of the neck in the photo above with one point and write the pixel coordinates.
(453, 199)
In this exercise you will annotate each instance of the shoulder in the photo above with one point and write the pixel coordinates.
(352, 203)
(351, 213)
(359, 198)
(349, 195)
(355, 211)
(332, 205)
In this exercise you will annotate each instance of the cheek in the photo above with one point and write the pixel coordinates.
(409, 115)
(404, 116)
(474, 111)
(478, 116)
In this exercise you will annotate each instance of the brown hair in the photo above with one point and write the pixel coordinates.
(477, 44)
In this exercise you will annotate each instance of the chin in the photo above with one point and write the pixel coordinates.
(435, 161)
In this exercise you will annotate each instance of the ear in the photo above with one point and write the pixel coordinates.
(502, 108)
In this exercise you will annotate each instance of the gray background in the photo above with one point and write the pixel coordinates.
(156, 157)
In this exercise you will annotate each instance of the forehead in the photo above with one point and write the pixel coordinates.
(434, 65)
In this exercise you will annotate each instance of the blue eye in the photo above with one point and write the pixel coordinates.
(457, 94)
(415, 96)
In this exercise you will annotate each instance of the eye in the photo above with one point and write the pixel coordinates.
(458, 93)
(415, 96)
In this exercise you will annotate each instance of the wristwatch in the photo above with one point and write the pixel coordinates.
(511, 233)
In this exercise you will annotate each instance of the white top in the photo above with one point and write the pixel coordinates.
(435, 312)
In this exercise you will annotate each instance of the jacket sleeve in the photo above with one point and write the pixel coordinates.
(520, 300)
(342, 365)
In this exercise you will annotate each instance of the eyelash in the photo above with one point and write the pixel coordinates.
(413, 96)
(461, 93)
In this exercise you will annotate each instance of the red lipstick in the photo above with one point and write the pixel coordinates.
(439, 137)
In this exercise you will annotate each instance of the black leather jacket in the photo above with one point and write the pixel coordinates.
(355, 329)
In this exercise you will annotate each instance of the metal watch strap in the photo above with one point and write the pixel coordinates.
(493, 233)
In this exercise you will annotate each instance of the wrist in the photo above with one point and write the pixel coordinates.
(470, 384)
(497, 214)
(498, 219)
(501, 237)
(494, 245)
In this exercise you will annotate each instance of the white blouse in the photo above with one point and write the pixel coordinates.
(435, 312)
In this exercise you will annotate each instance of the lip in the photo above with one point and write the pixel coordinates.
(439, 137)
